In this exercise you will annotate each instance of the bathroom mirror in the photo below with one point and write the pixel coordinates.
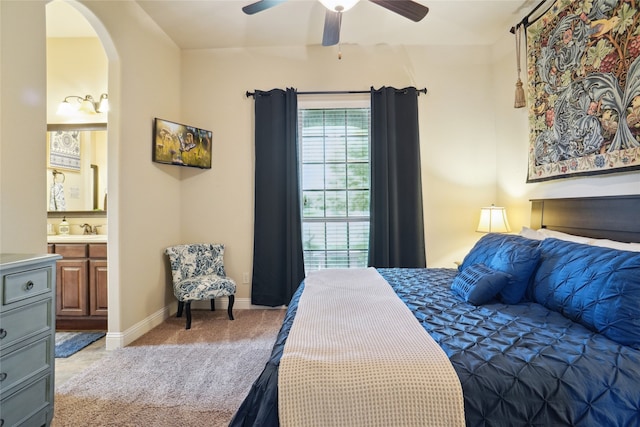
(76, 168)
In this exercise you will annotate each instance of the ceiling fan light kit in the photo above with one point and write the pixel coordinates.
(338, 5)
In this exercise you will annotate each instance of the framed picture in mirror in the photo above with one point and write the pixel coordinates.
(63, 150)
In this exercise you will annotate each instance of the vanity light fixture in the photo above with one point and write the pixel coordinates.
(493, 219)
(84, 104)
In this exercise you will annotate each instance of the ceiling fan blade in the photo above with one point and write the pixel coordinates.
(407, 8)
(260, 5)
(332, 21)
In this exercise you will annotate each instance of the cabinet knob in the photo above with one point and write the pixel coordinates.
(29, 285)
(3, 376)
(3, 333)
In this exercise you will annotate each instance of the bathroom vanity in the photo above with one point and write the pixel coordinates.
(81, 295)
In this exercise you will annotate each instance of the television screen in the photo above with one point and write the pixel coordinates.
(178, 144)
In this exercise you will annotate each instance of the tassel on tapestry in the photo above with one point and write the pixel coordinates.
(520, 100)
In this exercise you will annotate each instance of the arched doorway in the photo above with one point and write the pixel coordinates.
(71, 19)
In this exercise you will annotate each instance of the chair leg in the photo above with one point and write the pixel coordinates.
(232, 298)
(187, 309)
(213, 304)
(180, 307)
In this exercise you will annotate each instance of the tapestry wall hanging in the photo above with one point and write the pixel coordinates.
(584, 89)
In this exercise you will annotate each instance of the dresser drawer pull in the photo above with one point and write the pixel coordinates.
(29, 285)
(3, 376)
(3, 333)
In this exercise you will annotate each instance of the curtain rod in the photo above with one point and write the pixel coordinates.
(336, 92)
(525, 20)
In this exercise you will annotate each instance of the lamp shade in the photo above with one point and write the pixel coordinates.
(87, 106)
(493, 219)
(65, 108)
(103, 104)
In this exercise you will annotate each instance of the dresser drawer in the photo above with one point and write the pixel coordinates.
(71, 250)
(27, 362)
(26, 284)
(25, 322)
(39, 398)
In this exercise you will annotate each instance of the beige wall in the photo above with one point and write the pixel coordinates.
(458, 160)
(473, 143)
(23, 211)
(144, 218)
(144, 209)
(75, 66)
(79, 67)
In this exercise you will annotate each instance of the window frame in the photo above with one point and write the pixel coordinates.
(327, 102)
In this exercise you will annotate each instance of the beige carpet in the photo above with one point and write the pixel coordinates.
(171, 376)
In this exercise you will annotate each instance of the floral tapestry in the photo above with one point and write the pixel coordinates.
(584, 89)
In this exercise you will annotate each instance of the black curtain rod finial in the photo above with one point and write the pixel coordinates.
(525, 21)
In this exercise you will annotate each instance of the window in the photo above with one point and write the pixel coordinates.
(334, 162)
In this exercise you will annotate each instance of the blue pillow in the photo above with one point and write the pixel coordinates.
(484, 250)
(597, 287)
(519, 261)
(478, 284)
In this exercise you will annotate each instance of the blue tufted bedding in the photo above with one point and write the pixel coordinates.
(519, 364)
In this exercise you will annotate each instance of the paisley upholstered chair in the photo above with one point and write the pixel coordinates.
(198, 274)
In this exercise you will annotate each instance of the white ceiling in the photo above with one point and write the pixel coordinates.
(202, 24)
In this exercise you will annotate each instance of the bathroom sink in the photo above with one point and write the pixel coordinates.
(77, 238)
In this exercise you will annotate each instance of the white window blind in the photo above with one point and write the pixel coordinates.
(334, 163)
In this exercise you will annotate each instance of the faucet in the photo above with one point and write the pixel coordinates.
(90, 229)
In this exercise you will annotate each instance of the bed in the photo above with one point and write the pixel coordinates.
(561, 350)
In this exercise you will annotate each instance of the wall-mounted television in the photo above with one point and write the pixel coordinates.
(182, 145)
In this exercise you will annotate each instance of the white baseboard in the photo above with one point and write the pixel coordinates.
(121, 339)
(116, 340)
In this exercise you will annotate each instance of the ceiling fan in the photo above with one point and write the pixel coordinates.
(333, 18)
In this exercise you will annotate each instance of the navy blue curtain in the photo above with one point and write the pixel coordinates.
(278, 263)
(397, 229)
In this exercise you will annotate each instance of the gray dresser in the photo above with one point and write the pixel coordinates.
(27, 339)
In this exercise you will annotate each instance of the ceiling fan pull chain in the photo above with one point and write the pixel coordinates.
(339, 41)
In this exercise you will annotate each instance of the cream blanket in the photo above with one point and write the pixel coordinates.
(356, 356)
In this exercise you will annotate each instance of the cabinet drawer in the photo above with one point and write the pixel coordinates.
(26, 284)
(97, 250)
(27, 405)
(27, 362)
(25, 322)
(71, 250)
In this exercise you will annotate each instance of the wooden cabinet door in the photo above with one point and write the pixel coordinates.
(98, 287)
(71, 290)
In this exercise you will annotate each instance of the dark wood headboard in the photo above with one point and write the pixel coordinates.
(609, 217)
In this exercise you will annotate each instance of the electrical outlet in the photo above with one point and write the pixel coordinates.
(245, 277)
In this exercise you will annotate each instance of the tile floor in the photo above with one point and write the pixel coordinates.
(68, 367)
